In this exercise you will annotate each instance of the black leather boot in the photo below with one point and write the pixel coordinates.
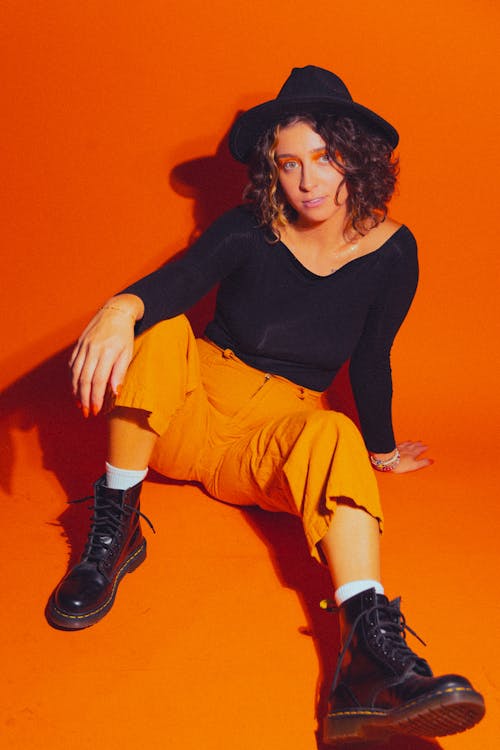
(382, 688)
(115, 546)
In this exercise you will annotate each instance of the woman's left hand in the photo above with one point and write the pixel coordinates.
(410, 452)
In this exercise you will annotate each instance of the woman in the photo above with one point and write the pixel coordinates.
(312, 273)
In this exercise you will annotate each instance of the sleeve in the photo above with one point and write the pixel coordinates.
(175, 287)
(370, 367)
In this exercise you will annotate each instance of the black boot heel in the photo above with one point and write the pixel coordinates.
(342, 727)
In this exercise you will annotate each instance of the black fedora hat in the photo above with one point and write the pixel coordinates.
(310, 89)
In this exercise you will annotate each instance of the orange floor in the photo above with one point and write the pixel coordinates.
(217, 640)
(114, 155)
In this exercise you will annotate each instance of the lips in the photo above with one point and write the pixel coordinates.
(313, 202)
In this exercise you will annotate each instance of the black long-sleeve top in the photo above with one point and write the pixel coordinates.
(281, 318)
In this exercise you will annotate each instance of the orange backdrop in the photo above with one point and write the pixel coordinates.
(113, 154)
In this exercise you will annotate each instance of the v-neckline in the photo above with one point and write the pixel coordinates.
(308, 271)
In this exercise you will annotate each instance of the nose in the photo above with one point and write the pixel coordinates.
(307, 177)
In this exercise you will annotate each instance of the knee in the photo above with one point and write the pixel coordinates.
(334, 426)
(329, 420)
(167, 335)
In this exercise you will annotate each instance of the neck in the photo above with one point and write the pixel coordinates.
(331, 234)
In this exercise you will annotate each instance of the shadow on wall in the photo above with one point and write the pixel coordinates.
(73, 448)
(214, 183)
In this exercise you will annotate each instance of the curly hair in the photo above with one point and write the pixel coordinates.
(364, 158)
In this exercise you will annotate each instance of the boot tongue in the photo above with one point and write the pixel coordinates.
(105, 538)
(108, 513)
(394, 605)
(420, 666)
(108, 521)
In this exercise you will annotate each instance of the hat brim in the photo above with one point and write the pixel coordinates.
(251, 124)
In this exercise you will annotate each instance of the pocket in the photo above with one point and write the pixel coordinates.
(249, 408)
(231, 386)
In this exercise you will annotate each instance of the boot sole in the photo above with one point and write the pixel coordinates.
(66, 621)
(442, 713)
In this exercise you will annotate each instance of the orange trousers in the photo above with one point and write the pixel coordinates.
(249, 437)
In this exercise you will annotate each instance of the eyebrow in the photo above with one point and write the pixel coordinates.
(312, 151)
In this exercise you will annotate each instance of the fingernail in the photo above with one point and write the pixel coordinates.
(95, 410)
(85, 411)
(118, 390)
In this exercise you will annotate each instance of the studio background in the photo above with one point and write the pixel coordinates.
(113, 157)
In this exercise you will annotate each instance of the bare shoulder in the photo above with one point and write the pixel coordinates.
(386, 229)
(391, 225)
(377, 236)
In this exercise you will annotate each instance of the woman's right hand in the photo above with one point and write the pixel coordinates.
(103, 352)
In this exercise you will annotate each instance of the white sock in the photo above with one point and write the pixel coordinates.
(122, 479)
(356, 587)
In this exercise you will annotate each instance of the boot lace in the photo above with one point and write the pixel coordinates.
(105, 523)
(390, 636)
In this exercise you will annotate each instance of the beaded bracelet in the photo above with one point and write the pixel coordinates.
(389, 464)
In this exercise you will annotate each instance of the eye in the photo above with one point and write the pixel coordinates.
(325, 158)
(287, 165)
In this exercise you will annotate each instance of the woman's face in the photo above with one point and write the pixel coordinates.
(308, 176)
